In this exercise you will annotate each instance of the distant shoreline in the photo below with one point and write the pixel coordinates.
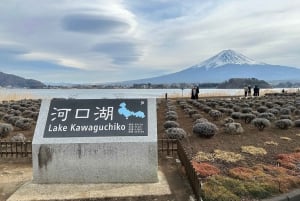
(17, 94)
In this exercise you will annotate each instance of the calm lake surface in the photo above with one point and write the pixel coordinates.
(117, 93)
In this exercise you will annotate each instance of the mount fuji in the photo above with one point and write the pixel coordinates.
(223, 66)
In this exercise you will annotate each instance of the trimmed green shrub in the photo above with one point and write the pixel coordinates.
(205, 129)
(236, 108)
(228, 120)
(24, 123)
(206, 109)
(234, 128)
(297, 112)
(226, 111)
(171, 108)
(291, 108)
(261, 123)
(247, 117)
(18, 138)
(191, 112)
(171, 124)
(6, 117)
(196, 116)
(262, 109)
(267, 115)
(15, 112)
(283, 123)
(175, 133)
(171, 116)
(236, 115)
(246, 110)
(200, 120)
(285, 116)
(215, 114)
(244, 105)
(14, 106)
(269, 104)
(273, 111)
(285, 111)
(5, 129)
(13, 119)
(170, 112)
(297, 123)
(2, 114)
(211, 104)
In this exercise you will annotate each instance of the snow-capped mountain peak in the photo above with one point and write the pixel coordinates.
(227, 57)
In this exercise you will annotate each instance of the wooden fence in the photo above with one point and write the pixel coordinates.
(190, 171)
(171, 147)
(167, 146)
(15, 149)
(23, 149)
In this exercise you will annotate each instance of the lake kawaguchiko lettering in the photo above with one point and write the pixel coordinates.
(91, 118)
(84, 128)
(57, 128)
(96, 128)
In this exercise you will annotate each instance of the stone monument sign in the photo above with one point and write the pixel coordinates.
(95, 141)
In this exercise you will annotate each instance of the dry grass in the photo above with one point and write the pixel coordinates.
(227, 156)
(8, 96)
(254, 150)
(286, 138)
(202, 156)
(271, 143)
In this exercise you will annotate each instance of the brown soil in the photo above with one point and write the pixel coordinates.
(14, 172)
(233, 143)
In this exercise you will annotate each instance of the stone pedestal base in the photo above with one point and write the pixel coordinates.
(43, 192)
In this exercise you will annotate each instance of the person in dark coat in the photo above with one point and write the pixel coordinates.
(249, 90)
(256, 91)
(197, 92)
(193, 93)
(245, 90)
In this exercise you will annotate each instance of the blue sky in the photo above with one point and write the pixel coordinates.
(97, 41)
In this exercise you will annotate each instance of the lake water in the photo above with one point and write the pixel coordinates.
(11, 94)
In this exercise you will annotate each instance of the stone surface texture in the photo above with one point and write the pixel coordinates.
(31, 191)
(128, 159)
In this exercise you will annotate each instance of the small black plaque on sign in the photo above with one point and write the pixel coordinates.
(96, 118)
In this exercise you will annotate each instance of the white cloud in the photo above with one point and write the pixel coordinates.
(122, 40)
(39, 56)
(247, 26)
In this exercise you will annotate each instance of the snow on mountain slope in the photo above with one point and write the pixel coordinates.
(227, 57)
(225, 65)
